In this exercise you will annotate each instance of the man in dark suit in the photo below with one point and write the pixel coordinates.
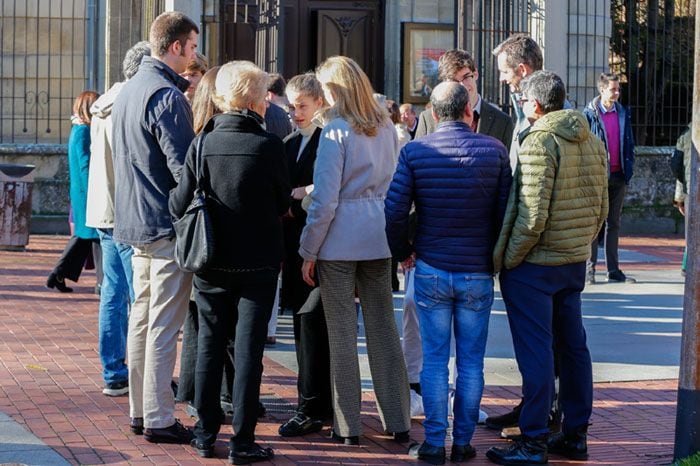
(459, 66)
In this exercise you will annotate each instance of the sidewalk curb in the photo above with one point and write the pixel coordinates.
(19, 446)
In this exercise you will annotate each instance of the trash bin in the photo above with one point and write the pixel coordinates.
(15, 205)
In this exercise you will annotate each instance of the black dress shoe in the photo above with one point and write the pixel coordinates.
(136, 425)
(428, 453)
(508, 419)
(204, 451)
(251, 454)
(525, 452)
(300, 424)
(354, 440)
(572, 445)
(54, 281)
(402, 437)
(461, 453)
(176, 433)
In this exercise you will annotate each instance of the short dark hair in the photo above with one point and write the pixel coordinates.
(520, 48)
(452, 61)
(170, 27)
(448, 101)
(605, 78)
(276, 84)
(547, 88)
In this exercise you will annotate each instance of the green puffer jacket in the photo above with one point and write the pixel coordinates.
(559, 196)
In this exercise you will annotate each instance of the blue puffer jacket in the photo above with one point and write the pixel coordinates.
(459, 182)
(592, 112)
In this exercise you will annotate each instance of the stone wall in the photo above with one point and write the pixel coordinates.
(50, 194)
(648, 205)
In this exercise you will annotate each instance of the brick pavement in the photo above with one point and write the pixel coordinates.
(50, 383)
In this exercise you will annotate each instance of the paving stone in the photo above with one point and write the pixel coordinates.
(51, 383)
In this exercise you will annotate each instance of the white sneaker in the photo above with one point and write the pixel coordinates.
(416, 404)
(482, 416)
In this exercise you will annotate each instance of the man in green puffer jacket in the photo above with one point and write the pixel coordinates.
(557, 204)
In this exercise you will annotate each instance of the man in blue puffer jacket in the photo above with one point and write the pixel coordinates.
(459, 182)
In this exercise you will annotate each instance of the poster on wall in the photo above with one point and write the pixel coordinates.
(423, 45)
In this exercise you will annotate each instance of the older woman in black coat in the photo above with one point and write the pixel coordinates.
(244, 173)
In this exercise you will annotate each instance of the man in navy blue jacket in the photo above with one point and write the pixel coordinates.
(152, 130)
(459, 182)
(610, 121)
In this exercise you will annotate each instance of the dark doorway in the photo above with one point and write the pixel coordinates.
(312, 30)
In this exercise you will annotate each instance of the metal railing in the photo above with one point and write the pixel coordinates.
(46, 59)
(485, 25)
(651, 49)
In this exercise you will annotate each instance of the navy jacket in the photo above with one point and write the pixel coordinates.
(459, 182)
(152, 130)
(592, 112)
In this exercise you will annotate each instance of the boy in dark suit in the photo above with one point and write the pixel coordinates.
(459, 66)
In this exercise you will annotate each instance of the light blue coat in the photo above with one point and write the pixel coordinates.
(78, 168)
(352, 174)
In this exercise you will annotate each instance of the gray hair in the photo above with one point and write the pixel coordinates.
(132, 59)
(547, 88)
(448, 100)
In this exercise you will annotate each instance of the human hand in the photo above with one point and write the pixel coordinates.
(307, 272)
(409, 263)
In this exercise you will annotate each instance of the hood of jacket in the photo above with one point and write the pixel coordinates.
(102, 107)
(567, 124)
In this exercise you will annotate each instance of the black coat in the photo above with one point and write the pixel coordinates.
(244, 171)
(301, 173)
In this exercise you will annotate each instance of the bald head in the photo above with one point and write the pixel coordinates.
(450, 102)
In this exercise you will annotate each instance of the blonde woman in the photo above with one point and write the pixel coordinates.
(244, 173)
(344, 237)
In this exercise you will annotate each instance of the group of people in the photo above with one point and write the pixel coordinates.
(327, 195)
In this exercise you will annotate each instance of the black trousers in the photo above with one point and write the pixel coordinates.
(232, 306)
(188, 360)
(311, 341)
(72, 261)
(617, 187)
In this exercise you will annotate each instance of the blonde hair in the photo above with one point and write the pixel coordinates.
(352, 92)
(305, 84)
(203, 106)
(239, 83)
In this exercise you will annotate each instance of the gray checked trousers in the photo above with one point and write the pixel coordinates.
(373, 279)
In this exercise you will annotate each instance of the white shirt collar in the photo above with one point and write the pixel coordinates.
(477, 107)
(604, 110)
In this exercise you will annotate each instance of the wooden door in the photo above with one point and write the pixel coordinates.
(314, 30)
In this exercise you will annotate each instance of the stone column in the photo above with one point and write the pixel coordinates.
(123, 29)
(589, 32)
(192, 8)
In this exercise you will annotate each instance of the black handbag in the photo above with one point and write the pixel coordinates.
(194, 237)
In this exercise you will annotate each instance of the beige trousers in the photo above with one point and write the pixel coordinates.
(162, 293)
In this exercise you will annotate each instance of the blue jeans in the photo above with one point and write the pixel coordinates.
(116, 295)
(442, 298)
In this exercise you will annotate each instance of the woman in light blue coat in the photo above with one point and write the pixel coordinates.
(79, 247)
(344, 238)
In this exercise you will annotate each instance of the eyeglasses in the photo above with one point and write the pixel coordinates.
(466, 77)
(521, 98)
